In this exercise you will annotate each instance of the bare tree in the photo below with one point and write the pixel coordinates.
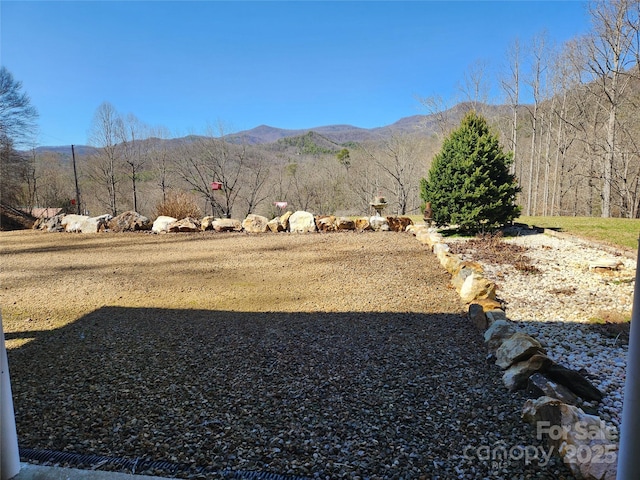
(535, 83)
(475, 86)
(160, 158)
(511, 86)
(131, 134)
(610, 55)
(399, 160)
(104, 169)
(256, 176)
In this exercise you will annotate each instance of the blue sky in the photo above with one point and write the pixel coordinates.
(191, 65)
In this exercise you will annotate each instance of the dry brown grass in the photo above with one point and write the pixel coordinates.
(179, 205)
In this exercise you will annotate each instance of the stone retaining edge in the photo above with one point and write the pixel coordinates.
(581, 440)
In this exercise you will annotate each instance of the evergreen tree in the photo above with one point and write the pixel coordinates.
(469, 183)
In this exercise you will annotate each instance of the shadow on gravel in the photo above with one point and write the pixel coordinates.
(337, 395)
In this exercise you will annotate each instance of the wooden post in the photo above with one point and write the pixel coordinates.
(75, 175)
(9, 455)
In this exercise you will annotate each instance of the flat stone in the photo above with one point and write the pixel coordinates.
(497, 333)
(516, 376)
(541, 386)
(517, 348)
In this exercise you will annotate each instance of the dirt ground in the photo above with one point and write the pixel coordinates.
(49, 280)
(343, 355)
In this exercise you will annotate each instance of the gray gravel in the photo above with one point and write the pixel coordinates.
(373, 395)
(329, 395)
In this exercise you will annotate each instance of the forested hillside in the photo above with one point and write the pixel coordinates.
(568, 113)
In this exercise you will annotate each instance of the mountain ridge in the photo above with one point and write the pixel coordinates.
(339, 133)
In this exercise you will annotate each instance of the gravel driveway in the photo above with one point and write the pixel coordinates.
(329, 355)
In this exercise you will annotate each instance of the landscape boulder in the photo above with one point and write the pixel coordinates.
(477, 316)
(362, 224)
(379, 224)
(574, 381)
(207, 223)
(275, 225)
(185, 225)
(398, 224)
(465, 269)
(73, 223)
(497, 333)
(255, 223)
(161, 224)
(95, 224)
(517, 375)
(129, 222)
(586, 444)
(476, 286)
(227, 225)
(540, 386)
(344, 223)
(302, 222)
(326, 223)
(517, 348)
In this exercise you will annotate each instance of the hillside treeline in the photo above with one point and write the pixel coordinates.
(568, 113)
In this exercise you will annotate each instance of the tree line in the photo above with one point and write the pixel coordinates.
(573, 143)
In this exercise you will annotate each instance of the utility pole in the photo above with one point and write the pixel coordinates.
(75, 175)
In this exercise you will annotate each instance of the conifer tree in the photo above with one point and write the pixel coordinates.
(469, 183)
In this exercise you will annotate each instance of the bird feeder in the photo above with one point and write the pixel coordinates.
(216, 186)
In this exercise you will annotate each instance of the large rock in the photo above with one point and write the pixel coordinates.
(574, 381)
(302, 222)
(52, 224)
(517, 375)
(586, 444)
(497, 333)
(255, 223)
(161, 224)
(73, 223)
(465, 269)
(227, 225)
(476, 286)
(540, 386)
(399, 224)
(415, 229)
(185, 225)
(517, 348)
(344, 223)
(275, 225)
(379, 224)
(95, 224)
(207, 223)
(451, 262)
(489, 304)
(284, 219)
(326, 223)
(362, 224)
(129, 222)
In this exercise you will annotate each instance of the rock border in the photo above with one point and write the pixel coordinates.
(587, 446)
(293, 222)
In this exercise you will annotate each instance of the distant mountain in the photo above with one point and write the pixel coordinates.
(66, 150)
(335, 134)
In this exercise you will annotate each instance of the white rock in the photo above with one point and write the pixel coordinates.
(161, 224)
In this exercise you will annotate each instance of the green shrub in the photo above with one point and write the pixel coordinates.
(469, 183)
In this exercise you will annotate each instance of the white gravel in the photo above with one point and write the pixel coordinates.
(558, 305)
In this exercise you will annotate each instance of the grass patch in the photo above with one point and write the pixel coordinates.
(617, 231)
